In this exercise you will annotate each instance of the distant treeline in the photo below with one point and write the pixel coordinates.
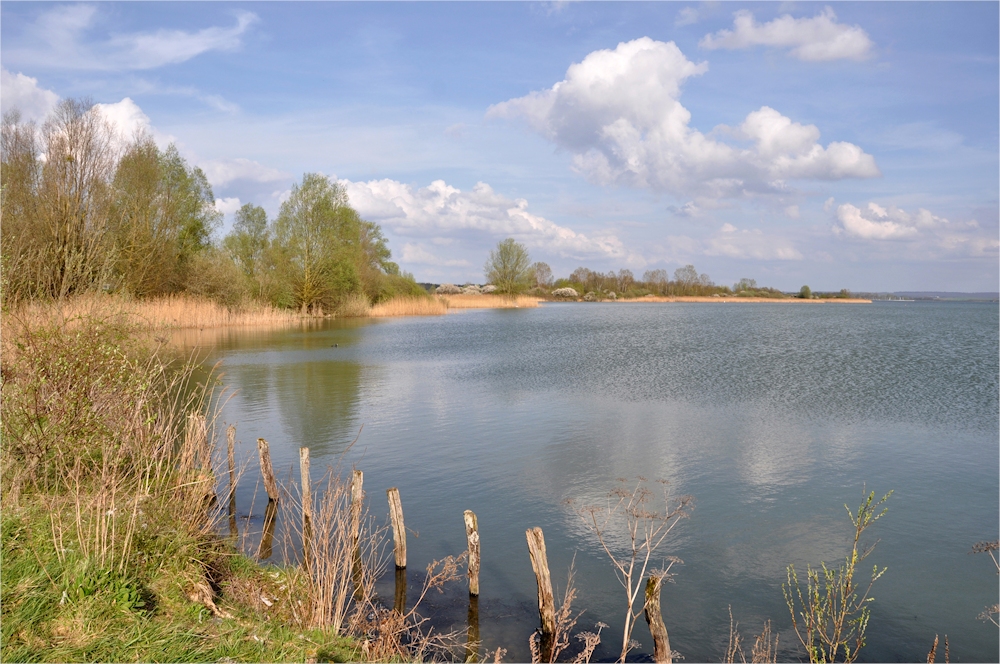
(623, 283)
(84, 210)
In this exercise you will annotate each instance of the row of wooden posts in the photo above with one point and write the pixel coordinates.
(535, 538)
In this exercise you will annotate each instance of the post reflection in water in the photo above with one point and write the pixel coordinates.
(399, 602)
(266, 541)
(472, 643)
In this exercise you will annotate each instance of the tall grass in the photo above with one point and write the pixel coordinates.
(169, 312)
(410, 306)
(489, 301)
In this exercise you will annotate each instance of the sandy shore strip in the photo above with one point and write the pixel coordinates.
(733, 298)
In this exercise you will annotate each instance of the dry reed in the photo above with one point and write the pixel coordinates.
(410, 306)
(489, 301)
(170, 312)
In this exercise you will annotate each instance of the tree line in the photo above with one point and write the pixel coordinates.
(86, 209)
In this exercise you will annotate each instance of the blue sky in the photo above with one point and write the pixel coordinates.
(840, 145)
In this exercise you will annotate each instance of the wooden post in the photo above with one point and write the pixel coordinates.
(270, 484)
(472, 534)
(357, 504)
(398, 530)
(231, 459)
(307, 506)
(546, 602)
(654, 617)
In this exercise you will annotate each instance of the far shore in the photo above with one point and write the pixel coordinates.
(733, 298)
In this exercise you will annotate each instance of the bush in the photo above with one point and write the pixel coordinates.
(805, 293)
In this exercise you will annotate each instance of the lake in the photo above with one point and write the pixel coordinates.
(772, 416)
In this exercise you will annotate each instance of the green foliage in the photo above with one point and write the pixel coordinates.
(830, 615)
(805, 293)
(89, 216)
(508, 267)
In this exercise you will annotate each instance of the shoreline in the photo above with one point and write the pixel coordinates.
(733, 298)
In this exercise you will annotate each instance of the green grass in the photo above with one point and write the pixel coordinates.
(60, 608)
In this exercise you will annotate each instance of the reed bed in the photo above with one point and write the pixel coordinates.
(170, 312)
(489, 301)
(409, 306)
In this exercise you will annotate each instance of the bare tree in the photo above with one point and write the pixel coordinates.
(630, 528)
(507, 267)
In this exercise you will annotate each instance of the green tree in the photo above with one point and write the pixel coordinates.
(248, 242)
(508, 267)
(805, 293)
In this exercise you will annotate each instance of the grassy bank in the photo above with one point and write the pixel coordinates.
(110, 549)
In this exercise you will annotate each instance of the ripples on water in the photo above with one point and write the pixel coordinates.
(772, 416)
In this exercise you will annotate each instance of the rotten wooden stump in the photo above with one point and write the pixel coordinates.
(398, 529)
(546, 602)
(654, 617)
(270, 484)
(307, 506)
(472, 534)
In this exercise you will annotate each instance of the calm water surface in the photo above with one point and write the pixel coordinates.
(771, 416)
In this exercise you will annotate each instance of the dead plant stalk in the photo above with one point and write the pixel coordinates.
(645, 531)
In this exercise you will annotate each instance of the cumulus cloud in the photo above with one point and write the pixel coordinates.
(221, 172)
(23, 93)
(442, 209)
(733, 242)
(227, 205)
(812, 39)
(60, 38)
(928, 233)
(418, 254)
(874, 223)
(618, 112)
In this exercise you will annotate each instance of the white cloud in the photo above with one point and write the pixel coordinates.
(126, 117)
(686, 16)
(874, 223)
(828, 204)
(227, 205)
(813, 39)
(925, 234)
(733, 242)
(130, 121)
(792, 211)
(618, 113)
(221, 172)
(419, 255)
(61, 40)
(442, 209)
(23, 93)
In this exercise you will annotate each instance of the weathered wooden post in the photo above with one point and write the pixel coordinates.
(231, 459)
(472, 534)
(307, 506)
(398, 530)
(546, 602)
(357, 504)
(270, 484)
(654, 617)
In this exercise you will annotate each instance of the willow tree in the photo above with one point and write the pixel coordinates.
(508, 267)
